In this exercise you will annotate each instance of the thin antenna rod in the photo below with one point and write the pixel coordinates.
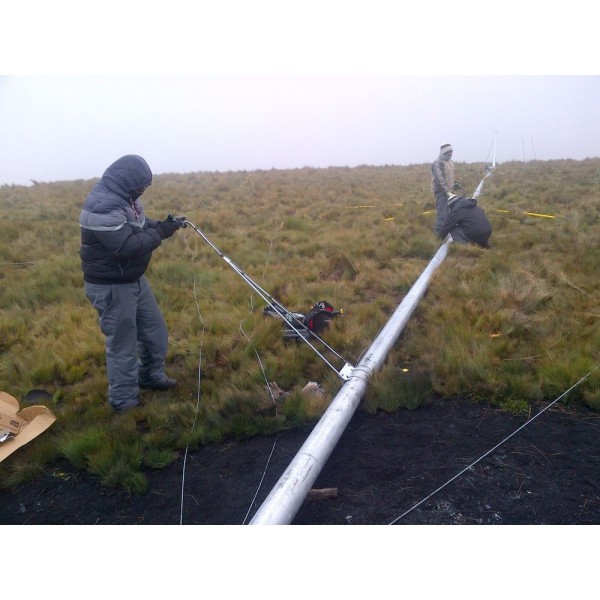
(280, 310)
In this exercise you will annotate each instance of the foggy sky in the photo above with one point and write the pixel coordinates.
(72, 127)
(240, 85)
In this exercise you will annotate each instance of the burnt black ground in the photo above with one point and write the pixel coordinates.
(546, 474)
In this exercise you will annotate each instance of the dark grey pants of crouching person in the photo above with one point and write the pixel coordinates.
(136, 338)
(458, 235)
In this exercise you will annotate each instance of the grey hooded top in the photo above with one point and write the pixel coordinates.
(442, 175)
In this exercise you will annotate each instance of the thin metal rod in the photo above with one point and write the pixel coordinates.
(287, 496)
(282, 313)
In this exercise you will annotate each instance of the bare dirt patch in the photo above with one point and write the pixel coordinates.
(384, 465)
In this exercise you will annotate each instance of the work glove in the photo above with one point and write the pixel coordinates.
(181, 220)
(167, 227)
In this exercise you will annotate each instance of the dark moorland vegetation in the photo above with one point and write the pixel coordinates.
(514, 325)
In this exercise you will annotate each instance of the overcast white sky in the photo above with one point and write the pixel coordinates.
(247, 86)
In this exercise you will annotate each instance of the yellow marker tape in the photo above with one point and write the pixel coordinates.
(373, 206)
(538, 215)
(531, 214)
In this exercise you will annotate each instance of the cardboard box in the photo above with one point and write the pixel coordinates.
(9, 407)
(22, 425)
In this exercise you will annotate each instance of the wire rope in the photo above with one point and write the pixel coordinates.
(280, 310)
(492, 449)
(270, 392)
(268, 388)
(274, 404)
(198, 396)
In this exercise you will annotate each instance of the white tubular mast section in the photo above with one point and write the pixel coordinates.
(285, 499)
(477, 191)
(488, 171)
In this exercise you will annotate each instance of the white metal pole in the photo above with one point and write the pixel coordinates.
(285, 499)
(487, 173)
(479, 188)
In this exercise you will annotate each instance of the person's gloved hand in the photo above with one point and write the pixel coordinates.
(181, 220)
(167, 228)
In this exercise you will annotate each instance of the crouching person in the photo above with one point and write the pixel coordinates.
(466, 222)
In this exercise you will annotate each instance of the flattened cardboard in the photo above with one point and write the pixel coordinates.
(24, 425)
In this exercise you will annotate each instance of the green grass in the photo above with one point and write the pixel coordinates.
(513, 325)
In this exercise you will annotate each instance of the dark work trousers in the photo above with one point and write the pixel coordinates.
(136, 337)
(458, 235)
(441, 208)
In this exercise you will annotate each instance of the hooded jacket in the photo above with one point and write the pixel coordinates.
(442, 175)
(471, 218)
(117, 240)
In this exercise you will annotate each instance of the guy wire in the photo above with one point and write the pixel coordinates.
(274, 404)
(268, 388)
(494, 448)
(197, 404)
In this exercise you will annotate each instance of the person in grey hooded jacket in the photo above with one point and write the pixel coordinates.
(443, 184)
(466, 222)
(117, 241)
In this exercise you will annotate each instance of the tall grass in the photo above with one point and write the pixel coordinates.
(513, 325)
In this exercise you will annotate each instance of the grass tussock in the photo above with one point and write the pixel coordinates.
(516, 324)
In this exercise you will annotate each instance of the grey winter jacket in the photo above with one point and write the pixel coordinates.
(117, 239)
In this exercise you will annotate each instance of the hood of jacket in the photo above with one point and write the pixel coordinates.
(127, 174)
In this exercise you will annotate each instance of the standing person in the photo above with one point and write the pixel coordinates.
(466, 222)
(117, 241)
(442, 183)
